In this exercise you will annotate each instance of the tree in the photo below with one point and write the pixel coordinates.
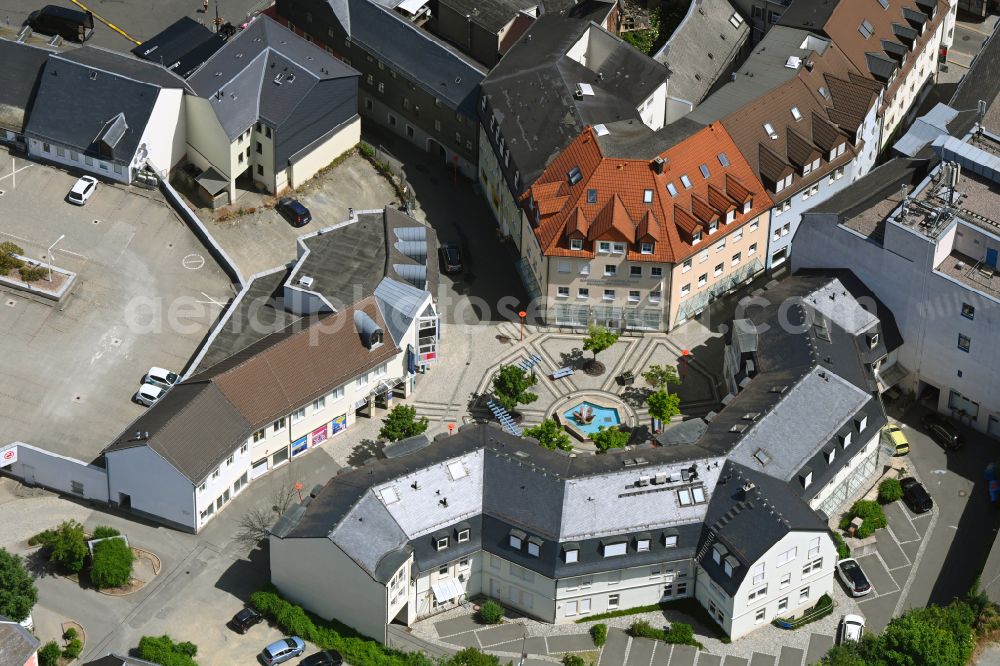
(550, 435)
(402, 422)
(49, 654)
(17, 588)
(69, 546)
(598, 339)
(471, 657)
(843, 655)
(490, 612)
(112, 565)
(889, 491)
(663, 406)
(255, 525)
(659, 376)
(8, 261)
(609, 438)
(872, 517)
(162, 650)
(925, 636)
(510, 387)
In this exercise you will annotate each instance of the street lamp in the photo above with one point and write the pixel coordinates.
(48, 255)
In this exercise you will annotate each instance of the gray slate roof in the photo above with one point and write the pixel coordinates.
(531, 91)
(492, 15)
(125, 65)
(17, 644)
(268, 73)
(76, 101)
(181, 47)
(18, 79)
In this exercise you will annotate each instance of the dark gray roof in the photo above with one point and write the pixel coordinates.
(749, 523)
(125, 65)
(873, 187)
(181, 47)
(17, 644)
(18, 80)
(531, 91)
(182, 422)
(685, 432)
(982, 81)
(267, 73)
(808, 14)
(115, 660)
(492, 15)
(76, 101)
(422, 58)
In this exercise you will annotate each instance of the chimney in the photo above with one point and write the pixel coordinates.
(657, 165)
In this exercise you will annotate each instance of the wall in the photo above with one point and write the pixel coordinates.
(903, 103)
(165, 135)
(635, 586)
(518, 587)
(207, 142)
(342, 590)
(156, 487)
(36, 466)
(315, 157)
(215, 493)
(71, 158)
(263, 162)
(497, 192)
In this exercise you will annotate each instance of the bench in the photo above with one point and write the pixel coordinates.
(562, 372)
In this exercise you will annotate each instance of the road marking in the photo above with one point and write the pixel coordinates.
(211, 300)
(970, 28)
(193, 262)
(107, 22)
(939, 471)
(15, 172)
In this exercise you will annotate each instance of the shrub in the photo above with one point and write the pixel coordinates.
(162, 650)
(599, 632)
(679, 633)
(44, 539)
(17, 588)
(889, 491)
(573, 660)
(872, 516)
(8, 261)
(104, 532)
(49, 654)
(843, 550)
(69, 547)
(366, 151)
(471, 657)
(73, 649)
(70, 634)
(112, 565)
(33, 273)
(490, 612)
(550, 435)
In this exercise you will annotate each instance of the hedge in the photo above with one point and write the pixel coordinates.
(872, 518)
(824, 606)
(843, 550)
(679, 633)
(112, 565)
(162, 650)
(889, 491)
(357, 649)
(104, 531)
(73, 649)
(599, 632)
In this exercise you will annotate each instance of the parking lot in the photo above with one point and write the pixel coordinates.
(146, 294)
(264, 239)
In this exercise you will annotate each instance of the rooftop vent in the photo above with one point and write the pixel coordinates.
(739, 428)
(643, 481)
(779, 388)
(761, 456)
(306, 281)
(277, 78)
(793, 62)
(657, 165)
(291, 77)
(574, 176)
(583, 89)
(601, 130)
(751, 416)
(748, 486)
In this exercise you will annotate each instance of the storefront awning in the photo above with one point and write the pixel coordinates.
(889, 377)
(447, 590)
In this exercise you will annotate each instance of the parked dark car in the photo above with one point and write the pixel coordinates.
(451, 258)
(297, 214)
(245, 619)
(943, 432)
(324, 658)
(853, 578)
(915, 495)
(67, 23)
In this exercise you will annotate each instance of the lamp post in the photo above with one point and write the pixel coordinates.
(48, 255)
(522, 314)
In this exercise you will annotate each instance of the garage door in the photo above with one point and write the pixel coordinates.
(259, 467)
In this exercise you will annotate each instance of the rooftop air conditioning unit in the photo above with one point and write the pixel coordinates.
(306, 281)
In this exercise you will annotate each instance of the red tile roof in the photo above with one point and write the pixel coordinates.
(631, 202)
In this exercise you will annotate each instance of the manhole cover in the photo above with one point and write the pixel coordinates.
(193, 262)
(2, 192)
(96, 221)
(962, 493)
(77, 398)
(116, 342)
(11, 303)
(170, 244)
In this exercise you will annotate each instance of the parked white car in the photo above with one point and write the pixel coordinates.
(161, 377)
(852, 628)
(82, 190)
(149, 394)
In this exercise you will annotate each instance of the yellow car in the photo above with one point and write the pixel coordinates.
(898, 439)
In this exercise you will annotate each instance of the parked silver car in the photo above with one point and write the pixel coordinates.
(149, 395)
(281, 651)
(161, 377)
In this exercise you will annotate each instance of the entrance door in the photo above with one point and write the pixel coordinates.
(125, 501)
(258, 468)
(29, 474)
(991, 257)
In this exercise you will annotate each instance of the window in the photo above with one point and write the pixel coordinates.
(758, 573)
(727, 566)
(635, 271)
(592, 196)
(337, 394)
(575, 244)
(704, 171)
(614, 577)
(814, 546)
(585, 269)
(783, 604)
(686, 289)
(571, 608)
(721, 245)
(736, 20)
(815, 565)
(703, 279)
(686, 266)
(604, 246)
(752, 249)
(618, 248)
(229, 461)
(968, 311)
(260, 148)
(515, 542)
(298, 414)
(564, 267)
(686, 182)
(866, 29)
(243, 449)
(737, 236)
(615, 549)
(239, 158)
(443, 571)
(712, 227)
(670, 540)
(642, 545)
(759, 592)
(719, 268)
(613, 601)
(46, 147)
(562, 292)
(610, 270)
(964, 342)
(633, 296)
(583, 292)
(381, 87)
(655, 296)
(769, 128)
(672, 189)
(804, 594)
(463, 535)
(215, 474)
(572, 555)
(786, 580)
(754, 225)
(533, 548)
(464, 564)
(695, 237)
(609, 294)
(278, 425)
(267, 131)
(441, 543)
(684, 497)
(737, 258)
(259, 435)
(787, 556)
(647, 196)
(796, 113)
(786, 228)
(646, 248)
(656, 271)
(759, 617)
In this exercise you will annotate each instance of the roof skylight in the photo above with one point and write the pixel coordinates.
(686, 182)
(704, 171)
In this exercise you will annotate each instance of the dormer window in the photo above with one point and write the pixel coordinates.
(618, 248)
(571, 553)
(440, 543)
(642, 543)
(695, 237)
(713, 226)
(670, 539)
(806, 477)
(730, 216)
(845, 439)
(646, 248)
(534, 546)
(604, 247)
(830, 455)
(615, 549)
(718, 552)
(729, 563)
(463, 535)
(516, 539)
(861, 422)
